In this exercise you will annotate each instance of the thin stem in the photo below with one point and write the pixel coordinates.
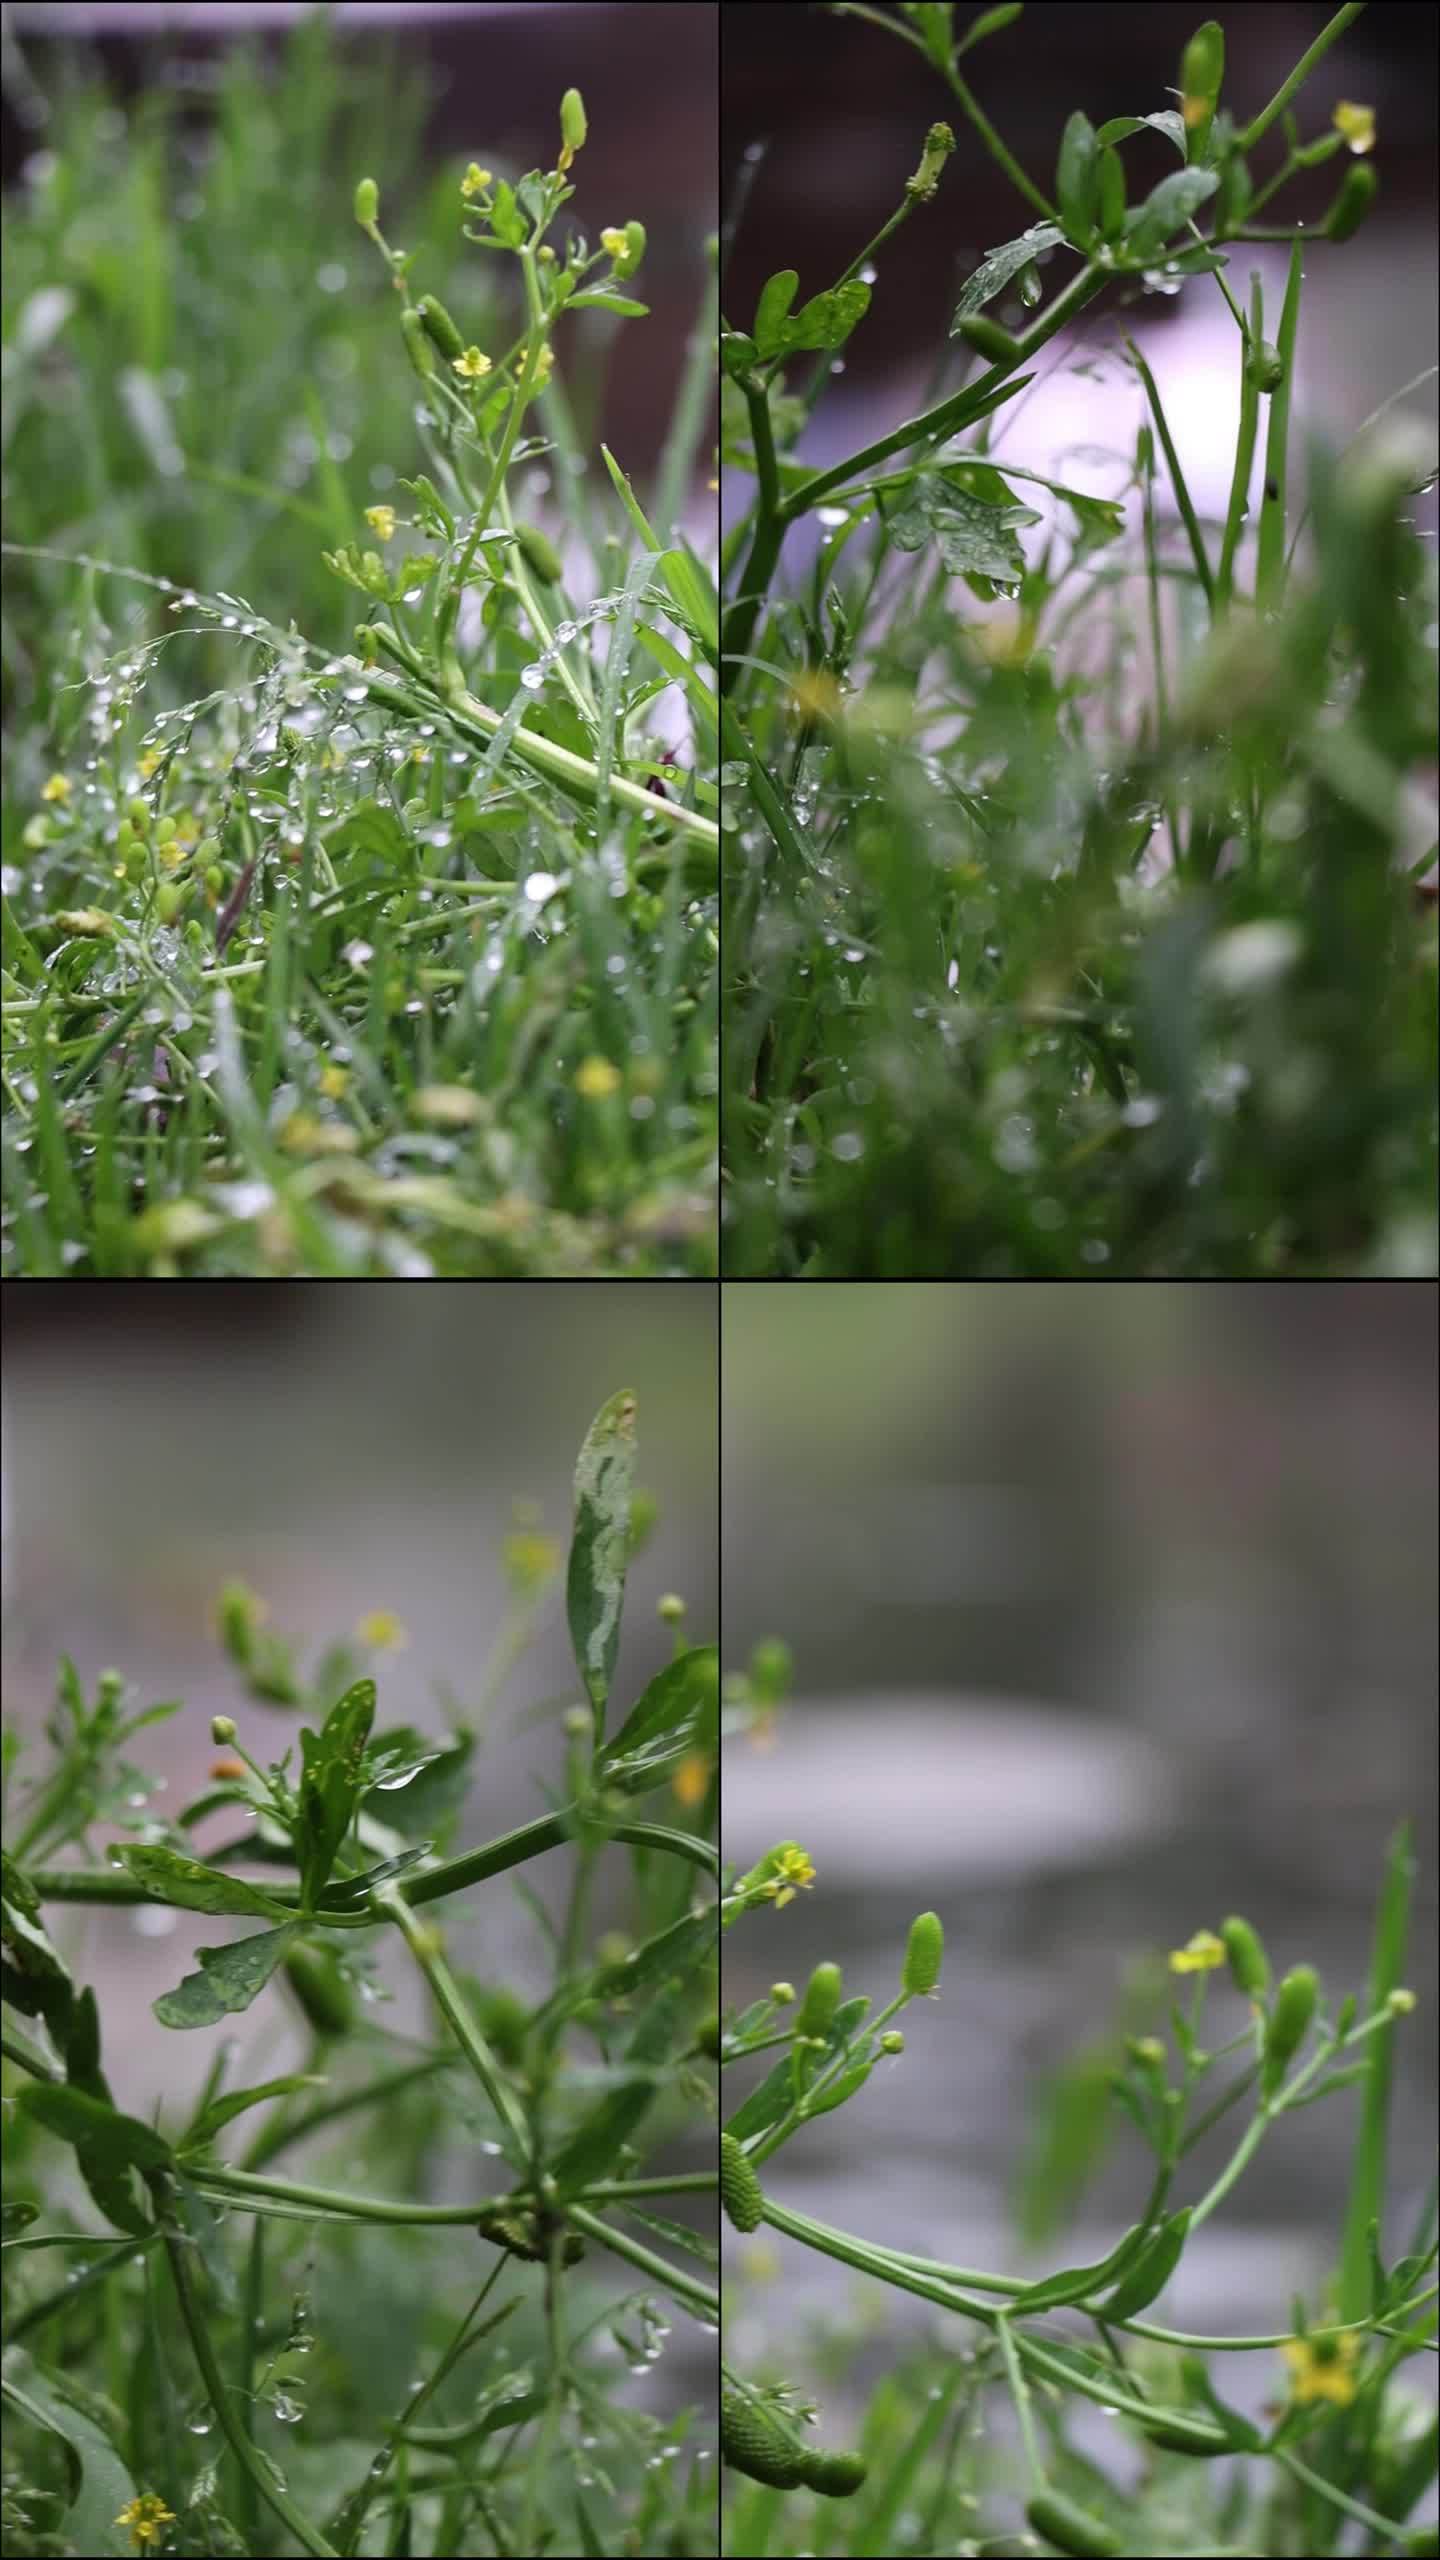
(1188, 516)
(1244, 454)
(257, 2473)
(424, 1946)
(1261, 124)
(1003, 158)
(1020, 2394)
(1270, 563)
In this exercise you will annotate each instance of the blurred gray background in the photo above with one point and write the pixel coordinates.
(1113, 1612)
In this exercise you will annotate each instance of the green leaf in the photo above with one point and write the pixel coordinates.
(998, 266)
(1098, 520)
(330, 1784)
(1151, 2271)
(1077, 176)
(506, 220)
(171, 1877)
(827, 320)
(975, 539)
(594, 2145)
(772, 310)
(229, 1979)
(1149, 225)
(738, 353)
(221, 2110)
(1073, 2284)
(1120, 128)
(989, 23)
(676, 1714)
(116, 2141)
(100, 2487)
(674, 1954)
(599, 1546)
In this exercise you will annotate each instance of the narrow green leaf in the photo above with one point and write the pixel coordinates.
(678, 1713)
(221, 2111)
(1366, 2204)
(330, 1784)
(116, 2140)
(1151, 2271)
(100, 2486)
(609, 302)
(1077, 177)
(171, 1877)
(599, 1547)
(595, 2143)
(673, 1954)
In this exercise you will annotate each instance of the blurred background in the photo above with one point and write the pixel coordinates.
(822, 122)
(204, 377)
(341, 1450)
(1113, 1613)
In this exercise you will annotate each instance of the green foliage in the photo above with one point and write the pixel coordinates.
(333, 2313)
(343, 952)
(1077, 913)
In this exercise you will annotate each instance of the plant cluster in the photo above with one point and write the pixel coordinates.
(388, 950)
(360, 2393)
(1349, 2444)
(1089, 931)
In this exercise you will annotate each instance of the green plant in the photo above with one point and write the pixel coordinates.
(392, 952)
(1350, 2446)
(1079, 933)
(216, 2296)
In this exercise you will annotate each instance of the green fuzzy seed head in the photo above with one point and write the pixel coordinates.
(439, 328)
(822, 1999)
(1289, 2021)
(367, 204)
(1265, 367)
(740, 2191)
(1067, 2527)
(924, 1956)
(1249, 1965)
(753, 2443)
(835, 2475)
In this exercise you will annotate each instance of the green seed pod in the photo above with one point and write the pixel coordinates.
(124, 837)
(572, 121)
(753, 2443)
(417, 345)
(325, 1998)
(1067, 2527)
(1289, 2023)
(835, 2475)
(635, 243)
(367, 203)
(989, 339)
(169, 898)
(1264, 371)
(1249, 1966)
(138, 812)
(822, 1999)
(439, 328)
(923, 1956)
(214, 878)
(1357, 195)
(740, 2190)
(165, 831)
(207, 850)
(1179, 2436)
(539, 554)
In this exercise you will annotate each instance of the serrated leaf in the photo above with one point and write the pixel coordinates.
(975, 540)
(169, 1876)
(229, 1979)
(599, 1546)
(998, 266)
(678, 1713)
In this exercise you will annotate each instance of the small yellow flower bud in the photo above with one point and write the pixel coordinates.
(596, 1080)
(572, 127)
(577, 1722)
(381, 521)
(1400, 2003)
(613, 243)
(1356, 125)
(222, 1728)
(781, 1992)
(671, 1608)
(475, 181)
(59, 787)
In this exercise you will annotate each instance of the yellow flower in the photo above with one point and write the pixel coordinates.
(333, 1081)
(596, 1079)
(815, 692)
(145, 2519)
(1203, 1951)
(530, 1559)
(149, 763)
(544, 367)
(472, 365)
(1323, 2368)
(475, 181)
(382, 1631)
(614, 243)
(761, 2263)
(1357, 124)
(691, 1779)
(792, 1874)
(59, 787)
(381, 521)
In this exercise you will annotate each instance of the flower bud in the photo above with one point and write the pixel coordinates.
(1249, 1966)
(671, 1608)
(1289, 2023)
(1264, 367)
(923, 1956)
(367, 204)
(222, 1728)
(740, 2190)
(781, 1993)
(572, 127)
(707, 2036)
(892, 2041)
